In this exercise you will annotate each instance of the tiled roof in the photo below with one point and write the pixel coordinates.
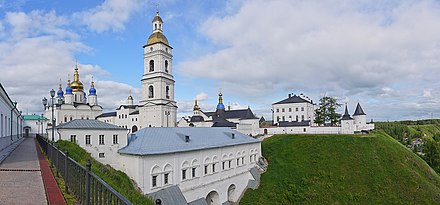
(161, 140)
(88, 124)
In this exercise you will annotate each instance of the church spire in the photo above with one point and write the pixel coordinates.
(346, 115)
(196, 106)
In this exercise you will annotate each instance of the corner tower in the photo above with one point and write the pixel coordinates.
(158, 108)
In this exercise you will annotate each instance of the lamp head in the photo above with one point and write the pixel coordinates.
(52, 93)
(44, 101)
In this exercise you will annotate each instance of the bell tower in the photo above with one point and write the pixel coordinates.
(158, 108)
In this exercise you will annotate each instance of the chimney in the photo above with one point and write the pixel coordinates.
(233, 135)
(187, 138)
(290, 95)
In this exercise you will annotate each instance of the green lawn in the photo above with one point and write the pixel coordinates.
(117, 179)
(343, 169)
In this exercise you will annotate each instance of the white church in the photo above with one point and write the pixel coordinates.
(185, 165)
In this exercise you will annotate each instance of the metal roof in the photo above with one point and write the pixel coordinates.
(346, 116)
(359, 110)
(108, 114)
(292, 99)
(33, 117)
(229, 114)
(170, 196)
(88, 124)
(162, 140)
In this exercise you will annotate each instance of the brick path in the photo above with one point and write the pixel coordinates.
(21, 177)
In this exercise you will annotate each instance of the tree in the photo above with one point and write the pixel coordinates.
(326, 113)
(432, 154)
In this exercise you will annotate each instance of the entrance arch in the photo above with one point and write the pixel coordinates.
(231, 193)
(213, 198)
(134, 129)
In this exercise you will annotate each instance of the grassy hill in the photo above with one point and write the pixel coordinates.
(343, 169)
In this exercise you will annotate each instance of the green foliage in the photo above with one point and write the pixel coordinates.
(116, 179)
(432, 154)
(327, 111)
(343, 169)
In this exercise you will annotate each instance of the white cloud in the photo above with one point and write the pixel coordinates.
(37, 49)
(110, 15)
(353, 48)
(202, 96)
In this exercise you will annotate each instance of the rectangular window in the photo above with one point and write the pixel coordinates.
(238, 162)
(230, 164)
(242, 160)
(223, 165)
(184, 174)
(101, 139)
(278, 110)
(154, 181)
(73, 138)
(284, 119)
(302, 109)
(115, 139)
(165, 177)
(213, 168)
(87, 139)
(206, 169)
(102, 155)
(282, 110)
(290, 109)
(302, 117)
(296, 109)
(194, 169)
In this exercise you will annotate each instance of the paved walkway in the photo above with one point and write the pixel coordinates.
(20, 176)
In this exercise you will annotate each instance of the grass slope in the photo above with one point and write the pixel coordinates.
(116, 179)
(343, 169)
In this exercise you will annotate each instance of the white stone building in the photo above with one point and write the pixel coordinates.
(243, 120)
(73, 104)
(101, 140)
(209, 164)
(34, 124)
(126, 116)
(294, 109)
(11, 120)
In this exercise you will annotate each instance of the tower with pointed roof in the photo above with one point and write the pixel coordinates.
(158, 108)
(93, 98)
(347, 122)
(360, 118)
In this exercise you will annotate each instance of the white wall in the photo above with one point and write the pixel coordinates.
(5, 120)
(108, 148)
(141, 169)
(288, 111)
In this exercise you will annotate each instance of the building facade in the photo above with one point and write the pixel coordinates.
(294, 109)
(11, 120)
(211, 164)
(34, 124)
(101, 140)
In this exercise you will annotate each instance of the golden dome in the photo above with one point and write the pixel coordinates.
(157, 37)
(130, 97)
(76, 85)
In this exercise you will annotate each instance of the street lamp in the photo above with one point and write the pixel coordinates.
(52, 94)
(12, 112)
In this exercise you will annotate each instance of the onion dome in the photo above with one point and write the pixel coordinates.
(68, 88)
(92, 90)
(220, 102)
(60, 93)
(196, 107)
(76, 85)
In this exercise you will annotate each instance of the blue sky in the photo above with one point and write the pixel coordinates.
(383, 54)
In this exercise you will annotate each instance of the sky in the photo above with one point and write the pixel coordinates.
(384, 54)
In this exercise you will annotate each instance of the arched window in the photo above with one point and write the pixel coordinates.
(155, 26)
(167, 176)
(134, 129)
(151, 65)
(150, 92)
(185, 167)
(194, 166)
(155, 174)
(167, 92)
(166, 66)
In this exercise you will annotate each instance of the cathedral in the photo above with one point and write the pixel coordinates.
(73, 104)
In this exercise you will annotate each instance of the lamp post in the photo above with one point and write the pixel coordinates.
(52, 94)
(44, 100)
(14, 104)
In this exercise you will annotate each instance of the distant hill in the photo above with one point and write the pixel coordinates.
(343, 169)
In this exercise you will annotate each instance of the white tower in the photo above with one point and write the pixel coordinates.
(360, 118)
(158, 108)
(93, 98)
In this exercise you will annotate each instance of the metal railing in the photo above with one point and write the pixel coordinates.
(84, 185)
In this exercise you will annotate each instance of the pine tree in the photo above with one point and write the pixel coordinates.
(327, 111)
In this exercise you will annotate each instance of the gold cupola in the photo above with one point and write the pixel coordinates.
(76, 85)
(157, 35)
(196, 106)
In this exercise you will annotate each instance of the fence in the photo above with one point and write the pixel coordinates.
(84, 185)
